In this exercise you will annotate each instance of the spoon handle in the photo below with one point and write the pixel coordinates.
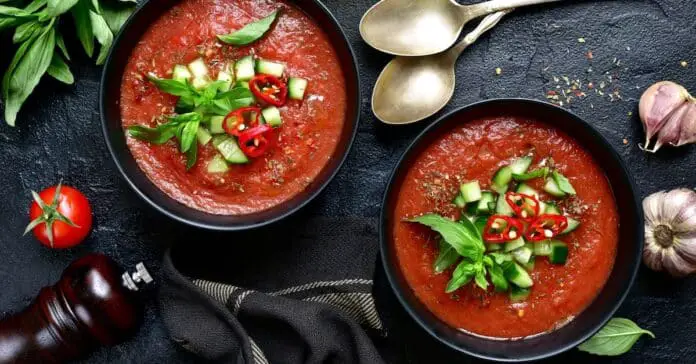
(485, 8)
(486, 24)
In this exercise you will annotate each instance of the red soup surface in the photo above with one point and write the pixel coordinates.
(311, 128)
(474, 151)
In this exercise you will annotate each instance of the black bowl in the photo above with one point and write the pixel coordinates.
(628, 255)
(126, 164)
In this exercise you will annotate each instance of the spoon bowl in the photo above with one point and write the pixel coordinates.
(425, 27)
(410, 89)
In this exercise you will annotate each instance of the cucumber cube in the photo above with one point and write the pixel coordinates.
(470, 191)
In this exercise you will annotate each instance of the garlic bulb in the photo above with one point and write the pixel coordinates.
(670, 232)
(668, 111)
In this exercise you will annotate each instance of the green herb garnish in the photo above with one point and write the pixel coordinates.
(41, 48)
(617, 337)
(251, 32)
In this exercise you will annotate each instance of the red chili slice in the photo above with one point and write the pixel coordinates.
(242, 119)
(546, 227)
(525, 206)
(269, 89)
(255, 141)
(501, 228)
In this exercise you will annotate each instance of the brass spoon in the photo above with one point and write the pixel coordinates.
(425, 27)
(410, 89)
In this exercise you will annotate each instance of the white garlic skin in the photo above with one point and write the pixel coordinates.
(670, 232)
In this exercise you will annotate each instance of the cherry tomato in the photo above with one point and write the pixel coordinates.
(61, 217)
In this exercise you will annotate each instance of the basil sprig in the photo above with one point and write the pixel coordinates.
(251, 32)
(617, 337)
(194, 108)
(41, 48)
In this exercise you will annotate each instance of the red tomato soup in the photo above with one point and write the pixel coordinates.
(302, 146)
(474, 151)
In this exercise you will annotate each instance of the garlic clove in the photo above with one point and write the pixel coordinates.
(671, 130)
(658, 102)
(688, 130)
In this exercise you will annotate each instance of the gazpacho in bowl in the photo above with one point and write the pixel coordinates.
(236, 107)
(504, 227)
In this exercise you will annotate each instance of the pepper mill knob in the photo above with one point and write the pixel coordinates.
(141, 275)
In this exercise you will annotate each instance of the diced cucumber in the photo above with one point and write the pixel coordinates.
(525, 189)
(542, 207)
(572, 225)
(501, 180)
(559, 253)
(216, 126)
(244, 84)
(522, 255)
(521, 165)
(181, 73)
(542, 248)
(296, 88)
(519, 294)
(537, 173)
(517, 275)
(218, 164)
(244, 69)
(272, 116)
(459, 201)
(529, 266)
(203, 135)
(226, 77)
(514, 244)
(484, 204)
(229, 149)
(200, 82)
(270, 68)
(502, 207)
(552, 209)
(551, 187)
(494, 247)
(563, 183)
(198, 68)
(470, 191)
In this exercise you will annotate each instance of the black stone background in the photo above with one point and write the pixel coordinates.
(59, 137)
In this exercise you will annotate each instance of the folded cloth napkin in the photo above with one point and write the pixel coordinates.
(322, 321)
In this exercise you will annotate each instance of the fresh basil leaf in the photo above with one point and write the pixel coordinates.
(103, 35)
(563, 183)
(251, 32)
(60, 70)
(480, 279)
(537, 173)
(116, 13)
(21, 79)
(26, 31)
(461, 276)
(172, 87)
(447, 257)
(60, 43)
(184, 105)
(35, 5)
(13, 11)
(58, 7)
(617, 337)
(83, 26)
(192, 156)
(495, 271)
(185, 118)
(464, 239)
(231, 100)
(159, 135)
(500, 258)
(11, 17)
(188, 135)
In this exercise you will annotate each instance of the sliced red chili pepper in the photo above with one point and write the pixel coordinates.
(241, 119)
(501, 228)
(546, 227)
(525, 206)
(255, 141)
(269, 89)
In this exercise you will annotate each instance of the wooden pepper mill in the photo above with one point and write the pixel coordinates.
(95, 303)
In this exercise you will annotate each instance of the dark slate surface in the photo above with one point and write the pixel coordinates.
(58, 137)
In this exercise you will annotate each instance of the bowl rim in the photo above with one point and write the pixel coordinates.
(389, 269)
(357, 105)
